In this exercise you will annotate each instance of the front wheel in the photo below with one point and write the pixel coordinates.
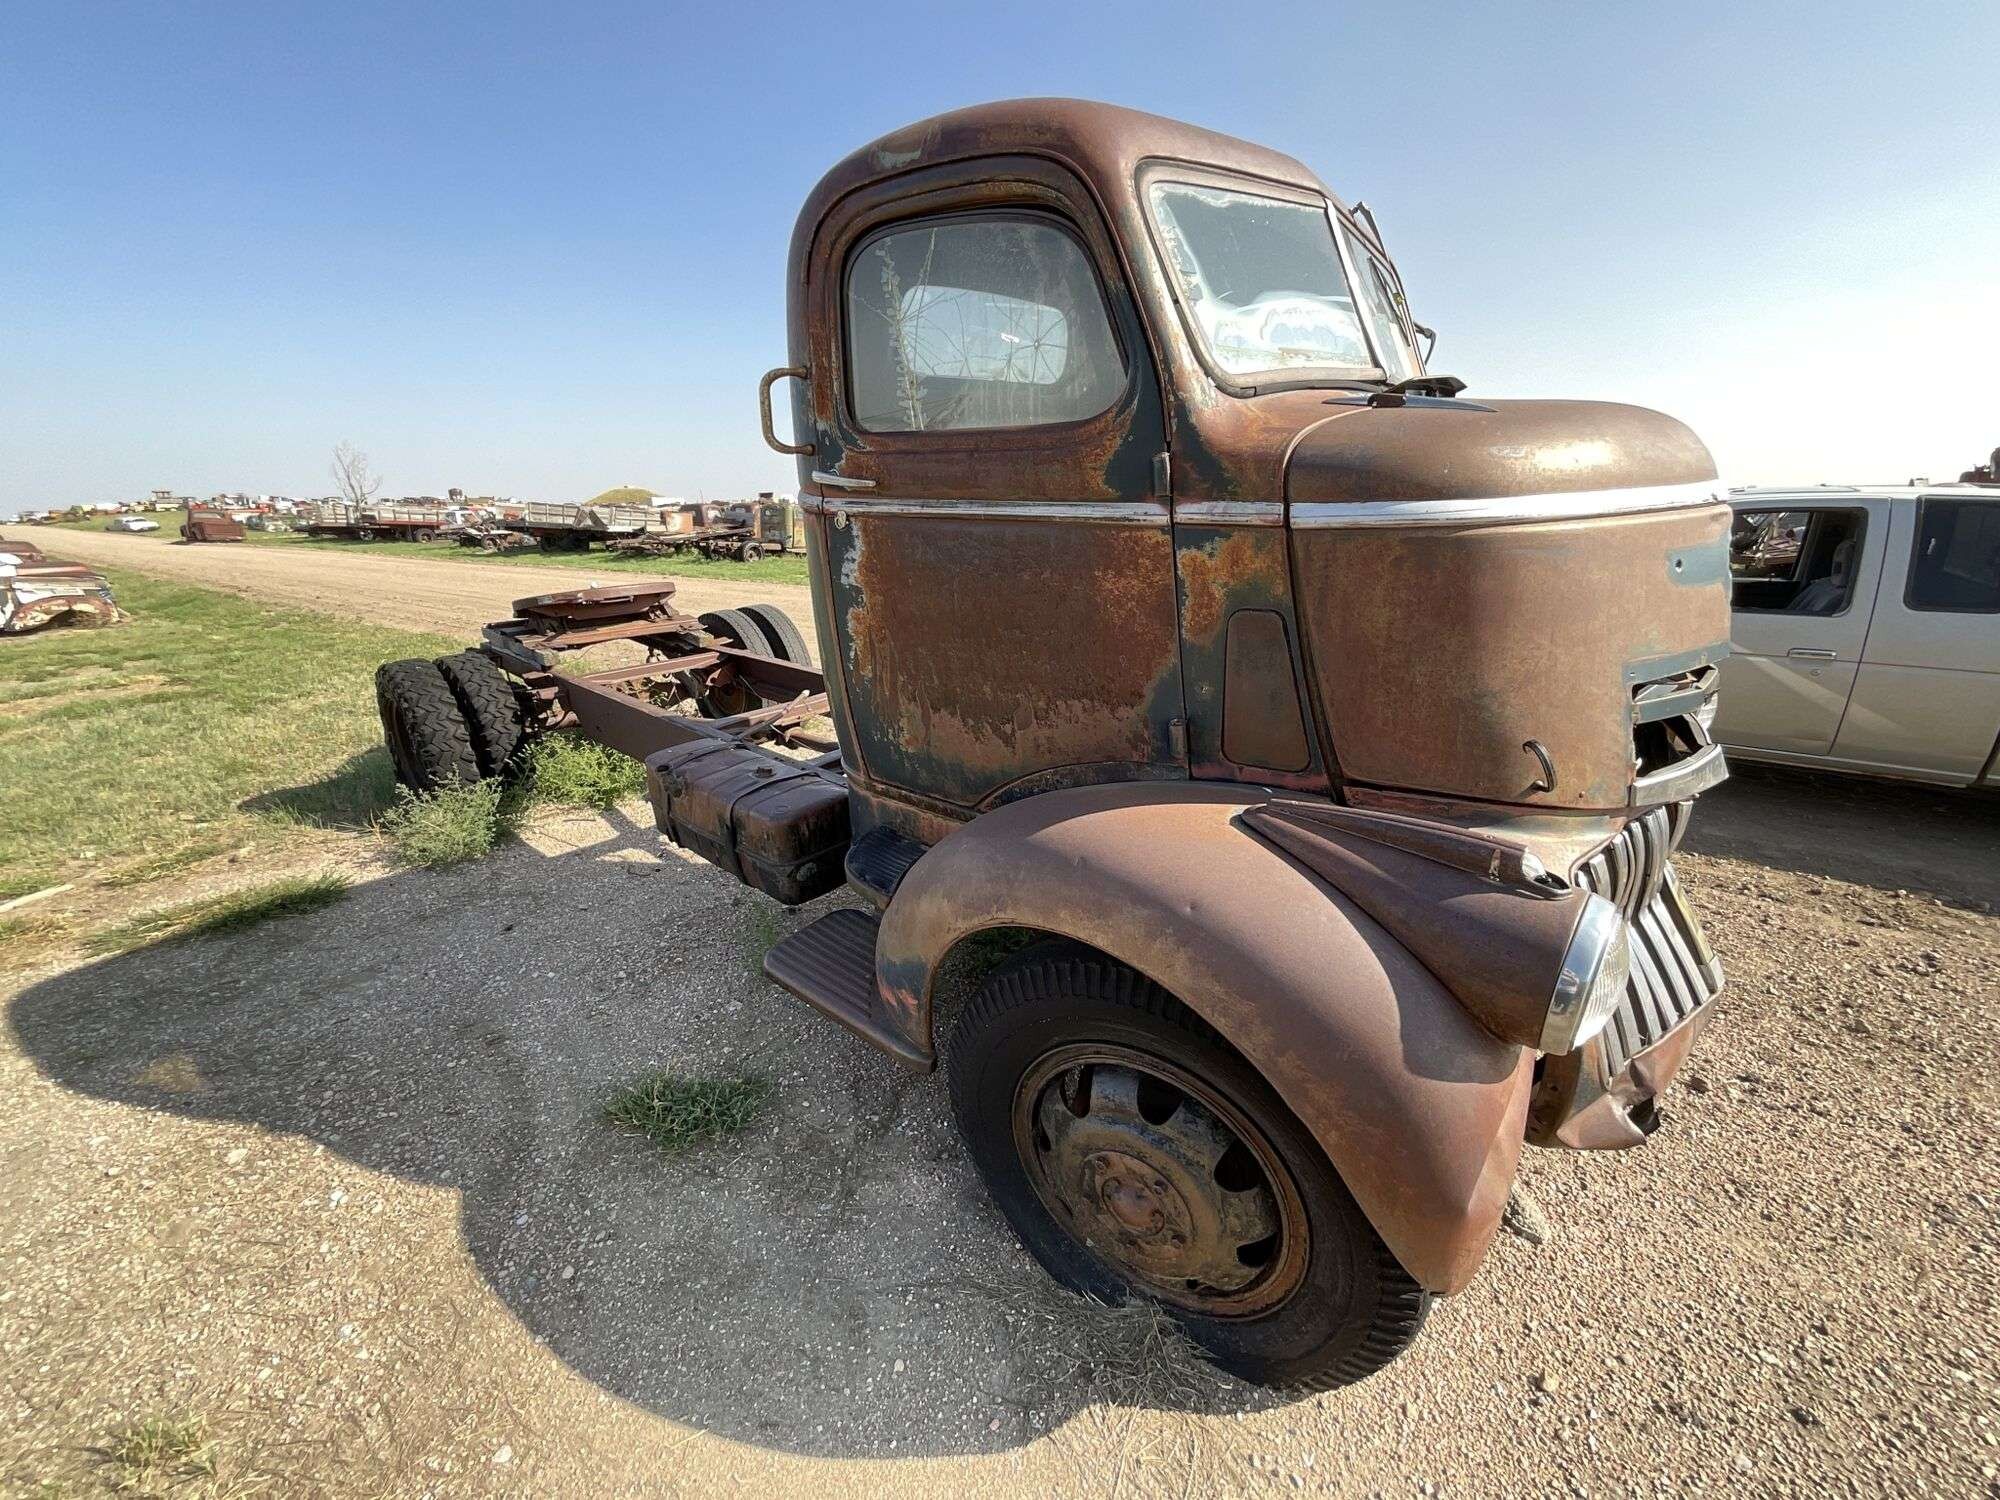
(1136, 1154)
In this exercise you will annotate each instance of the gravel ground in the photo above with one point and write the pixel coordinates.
(415, 592)
(339, 1187)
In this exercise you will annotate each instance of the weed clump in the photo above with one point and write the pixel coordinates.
(452, 824)
(677, 1113)
(573, 772)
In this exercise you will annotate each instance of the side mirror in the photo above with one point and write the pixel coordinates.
(1430, 338)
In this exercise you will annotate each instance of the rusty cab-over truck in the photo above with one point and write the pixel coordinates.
(1259, 764)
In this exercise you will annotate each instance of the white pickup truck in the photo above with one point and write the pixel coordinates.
(1865, 622)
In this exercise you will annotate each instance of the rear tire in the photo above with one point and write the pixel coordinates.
(781, 632)
(492, 712)
(1325, 1304)
(737, 628)
(424, 727)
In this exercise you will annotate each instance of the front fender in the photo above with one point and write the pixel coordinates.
(1419, 1108)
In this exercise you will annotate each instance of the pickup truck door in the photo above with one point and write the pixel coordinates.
(1797, 625)
(1926, 699)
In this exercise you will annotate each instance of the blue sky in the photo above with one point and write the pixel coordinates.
(540, 250)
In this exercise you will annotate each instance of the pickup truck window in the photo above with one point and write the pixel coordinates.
(977, 322)
(1800, 562)
(1956, 566)
(1262, 281)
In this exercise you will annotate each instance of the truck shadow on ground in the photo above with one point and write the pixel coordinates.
(1934, 841)
(832, 1282)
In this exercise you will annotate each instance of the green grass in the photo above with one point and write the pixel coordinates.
(207, 721)
(451, 825)
(232, 911)
(573, 772)
(160, 866)
(163, 1451)
(786, 569)
(676, 1113)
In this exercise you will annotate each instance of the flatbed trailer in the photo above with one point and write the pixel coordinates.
(388, 522)
(572, 528)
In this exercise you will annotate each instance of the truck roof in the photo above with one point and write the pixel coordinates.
(1102, 143)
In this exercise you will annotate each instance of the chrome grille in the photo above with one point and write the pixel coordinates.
(1628, 871)
(1673, 972)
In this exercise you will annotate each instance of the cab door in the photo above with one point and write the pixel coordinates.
(999, 566)
(1804, 580)
(1926, 698)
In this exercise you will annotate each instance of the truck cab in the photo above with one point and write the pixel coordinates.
(1255, 765)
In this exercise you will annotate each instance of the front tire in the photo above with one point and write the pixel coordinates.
(1135, 1153)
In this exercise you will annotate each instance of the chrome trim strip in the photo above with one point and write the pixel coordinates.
(1687, 778)
(1101, 512)
(841, 481)
(1230, 513)
(1496, 510)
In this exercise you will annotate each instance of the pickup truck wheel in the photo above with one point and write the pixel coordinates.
(1135, 1153)
(424, 727)
(492, 712)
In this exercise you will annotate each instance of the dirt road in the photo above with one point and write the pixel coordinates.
(340, 1187)
(416, 592)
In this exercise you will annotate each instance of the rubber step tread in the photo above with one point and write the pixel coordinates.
(878, 861)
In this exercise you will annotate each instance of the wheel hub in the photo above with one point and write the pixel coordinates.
(1139, 1163)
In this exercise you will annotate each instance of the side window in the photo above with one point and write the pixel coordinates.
(977, 322)
(1799, 562)
(1956, 565)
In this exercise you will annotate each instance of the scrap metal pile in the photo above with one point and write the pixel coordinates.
(38, 592)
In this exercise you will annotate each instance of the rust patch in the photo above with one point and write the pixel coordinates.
(1216, 570)
(960, 688)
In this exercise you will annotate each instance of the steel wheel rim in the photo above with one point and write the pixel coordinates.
(1163, 1178)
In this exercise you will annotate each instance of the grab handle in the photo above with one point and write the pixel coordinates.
(790, 372)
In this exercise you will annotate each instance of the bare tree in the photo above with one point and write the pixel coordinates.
(358, 483)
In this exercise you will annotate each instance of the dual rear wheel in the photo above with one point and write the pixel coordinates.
(460, 719)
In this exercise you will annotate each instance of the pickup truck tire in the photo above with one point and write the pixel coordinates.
(781, 632)
(492, 711)
(424, 727)
(1102, 1112)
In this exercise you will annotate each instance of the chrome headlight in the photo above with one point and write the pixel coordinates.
(1592, 981)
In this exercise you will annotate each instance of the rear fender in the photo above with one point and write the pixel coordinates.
(1419, 1108)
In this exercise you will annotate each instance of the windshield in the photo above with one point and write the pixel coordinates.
(1263, 281)
(1382, 301)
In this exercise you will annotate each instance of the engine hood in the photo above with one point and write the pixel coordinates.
(1463, 450)
(1492, 594)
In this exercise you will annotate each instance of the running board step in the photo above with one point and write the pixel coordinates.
(878, 861)
(830, 964)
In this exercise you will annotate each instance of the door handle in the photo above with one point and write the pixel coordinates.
(1817, 653)
(841, 481)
